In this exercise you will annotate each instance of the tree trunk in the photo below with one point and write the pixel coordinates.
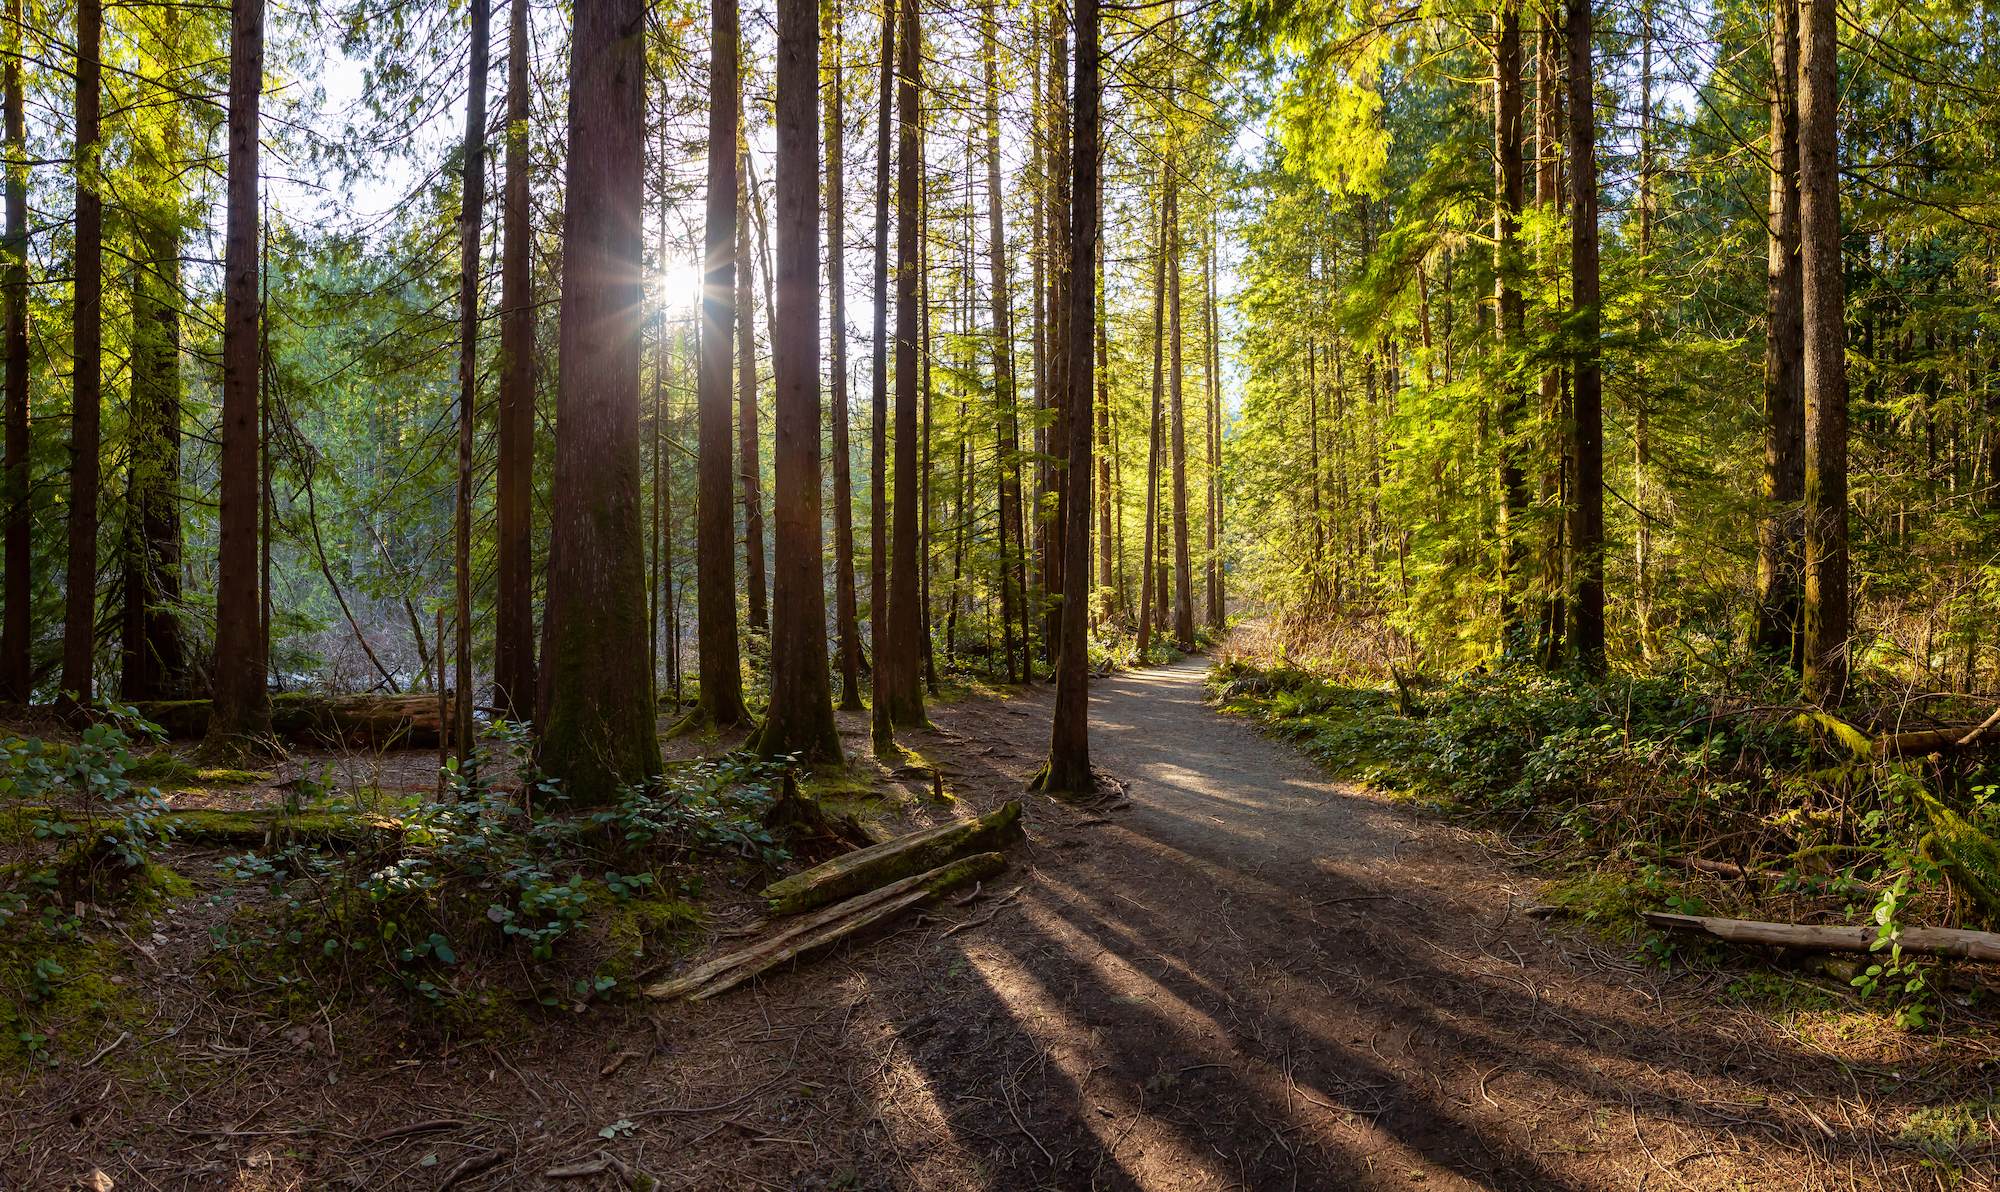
(1150, 612)
(1055, 483)
(721, 694)
(596, 706)
(846, 614)
(750, 468)
(1824, 371)
(1005, 395)
(1779, 533)
(1509, 195)
(15, 679)
(1177, 416)
(901, 660)
(1587, 398)
(926, 499)
(79, 650)
(154, 657)
(878, 495)
(1212, 361)
(800, 720)
(1552, 599)
(242, 707)
(514, 473)
(1029, 529)
(1106, 541)
(1068, 768)
(471, 218)
(1642, 443)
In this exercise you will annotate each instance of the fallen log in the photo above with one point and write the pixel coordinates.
(1923, 941)
(268, 827)
(356, 721)
(1940, 740)
(824, 928)
(865, 869)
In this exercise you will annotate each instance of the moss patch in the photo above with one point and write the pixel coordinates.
(171, 770)
(851, 791)
(253, 829)
(640, 933)
(1608, 901)
(1939, 1130)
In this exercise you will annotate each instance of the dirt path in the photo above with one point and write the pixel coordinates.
(1254, 977)
(1250, 977)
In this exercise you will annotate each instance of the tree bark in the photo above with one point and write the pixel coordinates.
(1212, 359)
(79, 648)
(800, 720)
(1177, 418)
(1917, 941)
(514, 473)
(1587, 397)
(901, 660)
(15, 677)
(1552, 601)
(1055, 517)
(1068, 769)
(1509, 196)
(1106, 540)
(1005, 395)
(471, 218)
(154, 657)
(1642, 441)
(1150, 610)
(1780, 564)
(596, 705)
(750, 468)
(1823, 375)
(242, 707)
(846, 613)
(878, 495)
(721, 667)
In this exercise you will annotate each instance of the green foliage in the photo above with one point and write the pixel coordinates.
(1629, 775)
(475, 897)
(83, 835)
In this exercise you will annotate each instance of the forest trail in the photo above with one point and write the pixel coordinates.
(1247, 977)
(1254, 977)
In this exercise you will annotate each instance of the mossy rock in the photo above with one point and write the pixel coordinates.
(866, 869)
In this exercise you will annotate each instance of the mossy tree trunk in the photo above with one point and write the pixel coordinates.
(720, 663)
(154, 657)
(596, 706)
(900, 654)
(242, 705)
(1068, 768)
(800, 720)
(79, 640)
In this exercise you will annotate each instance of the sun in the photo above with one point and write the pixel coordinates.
(678, 286)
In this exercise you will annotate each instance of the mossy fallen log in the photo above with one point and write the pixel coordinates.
(352, 721)
(1924, 941)
(269, 827)
(868, 868)
(824, 928)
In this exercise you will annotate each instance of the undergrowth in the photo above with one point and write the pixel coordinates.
(477, 905)
(78, 838)
(1669, 791)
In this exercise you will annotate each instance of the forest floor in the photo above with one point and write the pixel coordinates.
(1246, 976)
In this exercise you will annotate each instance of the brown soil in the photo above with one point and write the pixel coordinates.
(1247, 977)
